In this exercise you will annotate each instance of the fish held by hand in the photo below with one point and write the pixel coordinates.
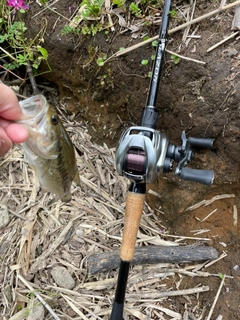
(48, 150)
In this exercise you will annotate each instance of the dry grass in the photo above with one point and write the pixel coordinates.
(42, 235)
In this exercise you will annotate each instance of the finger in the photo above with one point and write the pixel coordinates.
(5, 142)
(9, 106)
(16, 132)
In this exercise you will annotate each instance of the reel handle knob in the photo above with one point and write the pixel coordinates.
(202, 176)
(201, 142)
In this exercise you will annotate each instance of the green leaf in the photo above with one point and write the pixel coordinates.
(154, 43)
(100, 61)
(119, 3)
(146, 38)
(35, 65)
(43, 52)
(175, 58)
(144, 62)
(134, 8)
(66, 30)
(2, 38)
(173, 13)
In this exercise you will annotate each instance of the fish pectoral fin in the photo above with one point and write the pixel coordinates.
(76, 178)
(45, 150)
(45, 169)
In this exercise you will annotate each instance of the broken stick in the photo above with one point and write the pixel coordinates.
(103, 262)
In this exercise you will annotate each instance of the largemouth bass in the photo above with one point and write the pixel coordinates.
(48, 150)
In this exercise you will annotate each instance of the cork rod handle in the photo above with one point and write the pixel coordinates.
(133, 213)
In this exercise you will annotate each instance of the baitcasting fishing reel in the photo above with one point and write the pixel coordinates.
(143, 154)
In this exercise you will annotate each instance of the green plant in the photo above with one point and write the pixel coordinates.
(134, 8)
(91, 29)
(176, 59)
(101, 59)
(15, 48)
(144, 62)
(119, 3)
(173, 13)
(92, 8)
(89, 10)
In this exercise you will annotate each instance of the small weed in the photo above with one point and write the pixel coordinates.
(95, 11)
(101, 59)
(173, 13)
(16, 49)
(67, 29)
(92, 8)
(176, 59)
(144, 62)
(134, 8)
(146, 38)
(19, 307)
(119, 3)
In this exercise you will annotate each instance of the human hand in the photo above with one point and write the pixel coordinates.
(10, 111)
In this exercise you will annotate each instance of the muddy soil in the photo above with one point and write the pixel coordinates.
(202, 99)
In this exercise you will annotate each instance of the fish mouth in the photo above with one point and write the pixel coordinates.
(33, 110)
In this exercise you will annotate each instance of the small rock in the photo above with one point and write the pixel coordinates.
(4, 216)
(62, 277)
(37, 312)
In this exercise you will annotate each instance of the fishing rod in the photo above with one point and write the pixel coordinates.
(143, 154)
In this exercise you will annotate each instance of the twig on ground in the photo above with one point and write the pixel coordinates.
(186, 32)
(174, 293)
(223, 255)
(208, 202)
(209, 215)
(235, 215)
(216, 298)
(45, 8)
(223, 41)
(27, 284)
(185, 58)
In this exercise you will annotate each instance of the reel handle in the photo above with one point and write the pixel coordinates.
(201, 142)
(202, 176)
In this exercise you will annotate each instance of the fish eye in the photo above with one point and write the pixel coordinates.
(54, 120)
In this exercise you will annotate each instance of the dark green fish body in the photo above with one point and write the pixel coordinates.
(49, 150)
